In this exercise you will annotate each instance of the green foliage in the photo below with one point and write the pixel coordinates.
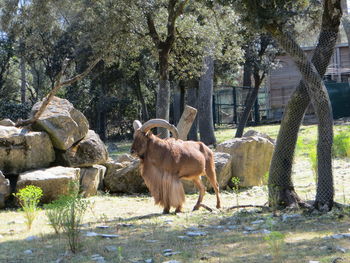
(341, 145)
(72, 216)
(29, 198)
(275, 240)
(14, 111)
(66, 213)
(55, 212)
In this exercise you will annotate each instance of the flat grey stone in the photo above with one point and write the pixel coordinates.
(196, 233)
(111, 248)
(28, 252)
(31, 238)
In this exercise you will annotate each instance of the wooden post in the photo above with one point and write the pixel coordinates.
(186, 121)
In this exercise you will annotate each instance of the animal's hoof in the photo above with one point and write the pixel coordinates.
(166, 211)
(218, 206)
(195, 208)
(178, 210)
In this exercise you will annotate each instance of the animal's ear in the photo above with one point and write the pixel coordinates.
(137, 125)
(149, 133)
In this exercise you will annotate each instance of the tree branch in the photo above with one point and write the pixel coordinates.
(53, 92)
(152, 29)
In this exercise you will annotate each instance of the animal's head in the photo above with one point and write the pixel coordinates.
(142, 134)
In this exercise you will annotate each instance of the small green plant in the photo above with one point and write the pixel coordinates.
(72, 216)
(120, 254)
(28, 198)
(236, 181)
(275, 240)
(66, 213)
(54, 212)
(313, 159)
(341, 145)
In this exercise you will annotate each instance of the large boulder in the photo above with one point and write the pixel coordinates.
(22, 150)
(251, 157)
(5, 190)
(91, 179)
(124, 177)
(251, 133)
(6, 122)
(88, 152)
(65, 124)
(53, 181)
(223, 169)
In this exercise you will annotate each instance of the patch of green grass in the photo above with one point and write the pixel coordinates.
(341, 144)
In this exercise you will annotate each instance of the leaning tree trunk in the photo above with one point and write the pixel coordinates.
(281, 189)
(248, 108)
(205, 101)
(192, 100)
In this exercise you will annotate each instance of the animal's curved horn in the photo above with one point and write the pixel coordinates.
(162, 124)
(136, 124)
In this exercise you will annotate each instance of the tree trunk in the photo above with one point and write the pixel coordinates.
(192, 100)
(22, 66)
(138, 90)
(281, 189)
(205, 110)
(186, 121)
(163, 94)
(248, 108)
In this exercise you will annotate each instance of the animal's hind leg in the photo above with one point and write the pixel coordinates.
(211, 175)
(197, 181)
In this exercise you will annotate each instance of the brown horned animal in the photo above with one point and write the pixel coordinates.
(165, 161)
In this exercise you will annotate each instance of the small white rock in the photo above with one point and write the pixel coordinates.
(196, 234)
(28, 252)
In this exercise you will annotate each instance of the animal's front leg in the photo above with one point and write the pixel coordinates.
(166, 210)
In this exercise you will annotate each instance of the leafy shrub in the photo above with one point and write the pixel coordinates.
(54, 212)
(14, 111)
(66, 213)
(29, 198)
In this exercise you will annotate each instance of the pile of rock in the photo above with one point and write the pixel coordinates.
(60, 149)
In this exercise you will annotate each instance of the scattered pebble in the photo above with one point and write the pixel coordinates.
(170, 252)
(31, 238)
(257, 222)
(341, 249)
(94, 234)
(98, 258)
(286, 217)
(28, 252)
(149, 260)
(152, 241)
(196, 233)
(338, 236)
(248, 228)
(183, 237)
(171, 261)
(111, 248)
(312, 261)
(103, 227)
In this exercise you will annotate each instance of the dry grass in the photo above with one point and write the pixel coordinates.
(145, 233)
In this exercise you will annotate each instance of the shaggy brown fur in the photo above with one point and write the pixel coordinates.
(165, 162)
